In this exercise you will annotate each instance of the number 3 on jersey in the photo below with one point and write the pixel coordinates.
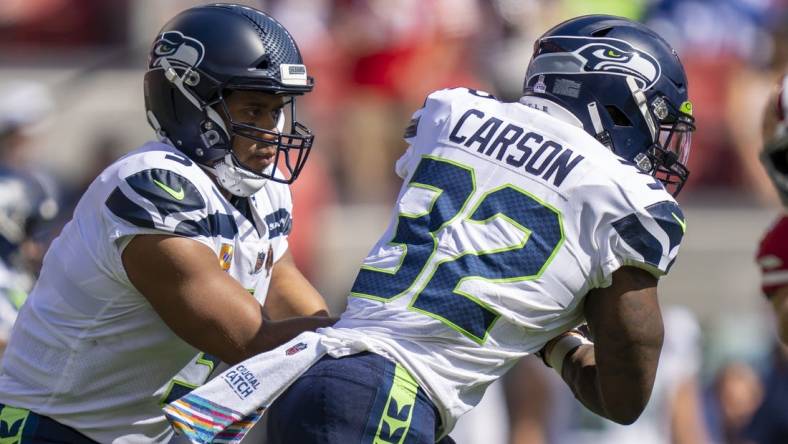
(416, 235)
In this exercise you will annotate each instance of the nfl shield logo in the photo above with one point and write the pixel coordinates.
(295, 349)
(226, 256)
(260, 261)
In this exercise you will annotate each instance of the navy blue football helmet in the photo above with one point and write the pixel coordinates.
(198, 58)
(28, 205)
(627, 87)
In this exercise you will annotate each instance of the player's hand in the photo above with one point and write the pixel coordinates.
(555, 350)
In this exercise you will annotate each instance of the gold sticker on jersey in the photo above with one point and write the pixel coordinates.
(226, 256)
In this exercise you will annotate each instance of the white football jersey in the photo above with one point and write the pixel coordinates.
(88, 349)
(507, 217)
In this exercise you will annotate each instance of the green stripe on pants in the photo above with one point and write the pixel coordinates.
(395, 421)
(12, 422)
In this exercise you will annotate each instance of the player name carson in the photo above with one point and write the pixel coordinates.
(514, 146)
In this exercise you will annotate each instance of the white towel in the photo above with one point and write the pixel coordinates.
(224, 409)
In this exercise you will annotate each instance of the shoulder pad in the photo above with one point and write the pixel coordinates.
(166, 191)
(654, 233)
(437, 107)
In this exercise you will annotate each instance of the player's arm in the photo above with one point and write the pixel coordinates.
(614, 376)
(290, 294)
(182, 280)
(780, 303)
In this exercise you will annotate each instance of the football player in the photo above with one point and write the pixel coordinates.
(28, 200)
(27, 207)
(516, 223)
(173, 249)
(772, 254)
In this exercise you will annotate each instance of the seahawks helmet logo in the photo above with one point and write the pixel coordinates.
(597, 56)
(603, 57)
(179, 50)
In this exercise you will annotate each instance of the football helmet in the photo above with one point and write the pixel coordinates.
(774, 155)
(625, 85)
(203, 54)
(28, 205)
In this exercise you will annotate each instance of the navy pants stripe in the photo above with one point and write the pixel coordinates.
(363, 398)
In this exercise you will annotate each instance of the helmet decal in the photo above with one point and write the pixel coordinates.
(540, 85)
(179, 50)
(599, 55)
(293, 74)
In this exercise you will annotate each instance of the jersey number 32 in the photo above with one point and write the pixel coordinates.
(453, 186)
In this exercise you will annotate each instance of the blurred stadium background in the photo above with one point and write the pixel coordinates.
(75, 67)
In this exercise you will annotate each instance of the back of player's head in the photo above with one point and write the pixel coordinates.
(775, 136)
(202, 55)
(625, 84)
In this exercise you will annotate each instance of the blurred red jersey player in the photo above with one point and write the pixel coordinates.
(773, 252)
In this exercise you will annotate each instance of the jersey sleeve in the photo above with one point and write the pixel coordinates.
(772, 257)
(424, 127)
(161, 200)
(645, 235)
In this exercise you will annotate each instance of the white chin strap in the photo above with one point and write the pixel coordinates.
(238, 181)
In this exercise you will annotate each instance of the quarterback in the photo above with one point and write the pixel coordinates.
(772, 254)
(177, 255)
(516, 223)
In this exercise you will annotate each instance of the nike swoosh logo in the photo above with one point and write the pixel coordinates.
(177, 195)
(681, 222)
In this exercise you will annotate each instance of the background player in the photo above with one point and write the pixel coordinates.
(28, 198)
(516, 223)
(133, 306)
(773, 252)
(769, 423)
(27, 206)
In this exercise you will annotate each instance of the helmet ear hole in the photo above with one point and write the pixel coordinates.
(619, 118)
